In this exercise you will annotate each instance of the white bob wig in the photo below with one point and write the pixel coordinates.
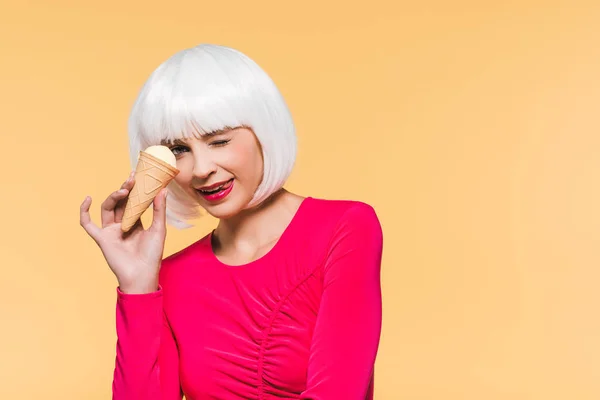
(207, 88)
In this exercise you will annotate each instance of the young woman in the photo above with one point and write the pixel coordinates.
(282, 300)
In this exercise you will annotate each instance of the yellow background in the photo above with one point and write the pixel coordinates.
(471, 127)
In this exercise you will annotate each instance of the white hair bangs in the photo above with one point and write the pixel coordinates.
(204, 89)
(190, 95)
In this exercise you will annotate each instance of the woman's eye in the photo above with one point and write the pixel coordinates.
(181, 149)
(177, 149)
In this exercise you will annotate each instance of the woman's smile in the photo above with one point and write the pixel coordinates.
(217, 193)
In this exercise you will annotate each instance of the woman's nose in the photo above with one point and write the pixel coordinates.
(203, 168)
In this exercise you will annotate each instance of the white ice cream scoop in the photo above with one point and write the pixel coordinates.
(163, 153)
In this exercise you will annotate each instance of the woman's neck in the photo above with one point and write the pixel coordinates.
(257, 227)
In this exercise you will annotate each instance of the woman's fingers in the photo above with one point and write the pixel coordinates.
(86, 222)
(127, 184)
(159, 211)
(120, 208)
(107, 210)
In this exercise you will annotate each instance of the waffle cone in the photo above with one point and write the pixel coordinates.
(151, 175)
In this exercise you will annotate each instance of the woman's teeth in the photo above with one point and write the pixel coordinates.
(217, 189)
(213, 190)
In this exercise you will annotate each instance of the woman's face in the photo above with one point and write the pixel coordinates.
(231, 158)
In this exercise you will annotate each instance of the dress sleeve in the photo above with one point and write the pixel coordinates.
(147, 358)
(348, 326)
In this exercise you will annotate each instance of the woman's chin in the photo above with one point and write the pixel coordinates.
(223, 210)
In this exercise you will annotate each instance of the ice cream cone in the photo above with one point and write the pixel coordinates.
(151, 175)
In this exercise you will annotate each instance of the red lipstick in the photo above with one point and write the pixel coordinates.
(220, 194)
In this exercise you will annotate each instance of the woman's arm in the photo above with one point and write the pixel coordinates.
(146, 366)
(348, 327)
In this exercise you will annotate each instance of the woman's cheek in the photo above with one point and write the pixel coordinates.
(182, 178)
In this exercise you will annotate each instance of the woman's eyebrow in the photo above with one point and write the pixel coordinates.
(217, 132)
(214, 133)
(166, 142)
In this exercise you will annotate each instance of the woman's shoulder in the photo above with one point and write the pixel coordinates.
(340, 225)
(339, 210)
(331, 216)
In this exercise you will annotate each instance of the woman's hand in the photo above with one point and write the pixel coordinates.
(134, 256)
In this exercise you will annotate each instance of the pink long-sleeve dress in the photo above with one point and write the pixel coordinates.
(301, 322)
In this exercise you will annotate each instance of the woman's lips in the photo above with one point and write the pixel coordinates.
(221, 194)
